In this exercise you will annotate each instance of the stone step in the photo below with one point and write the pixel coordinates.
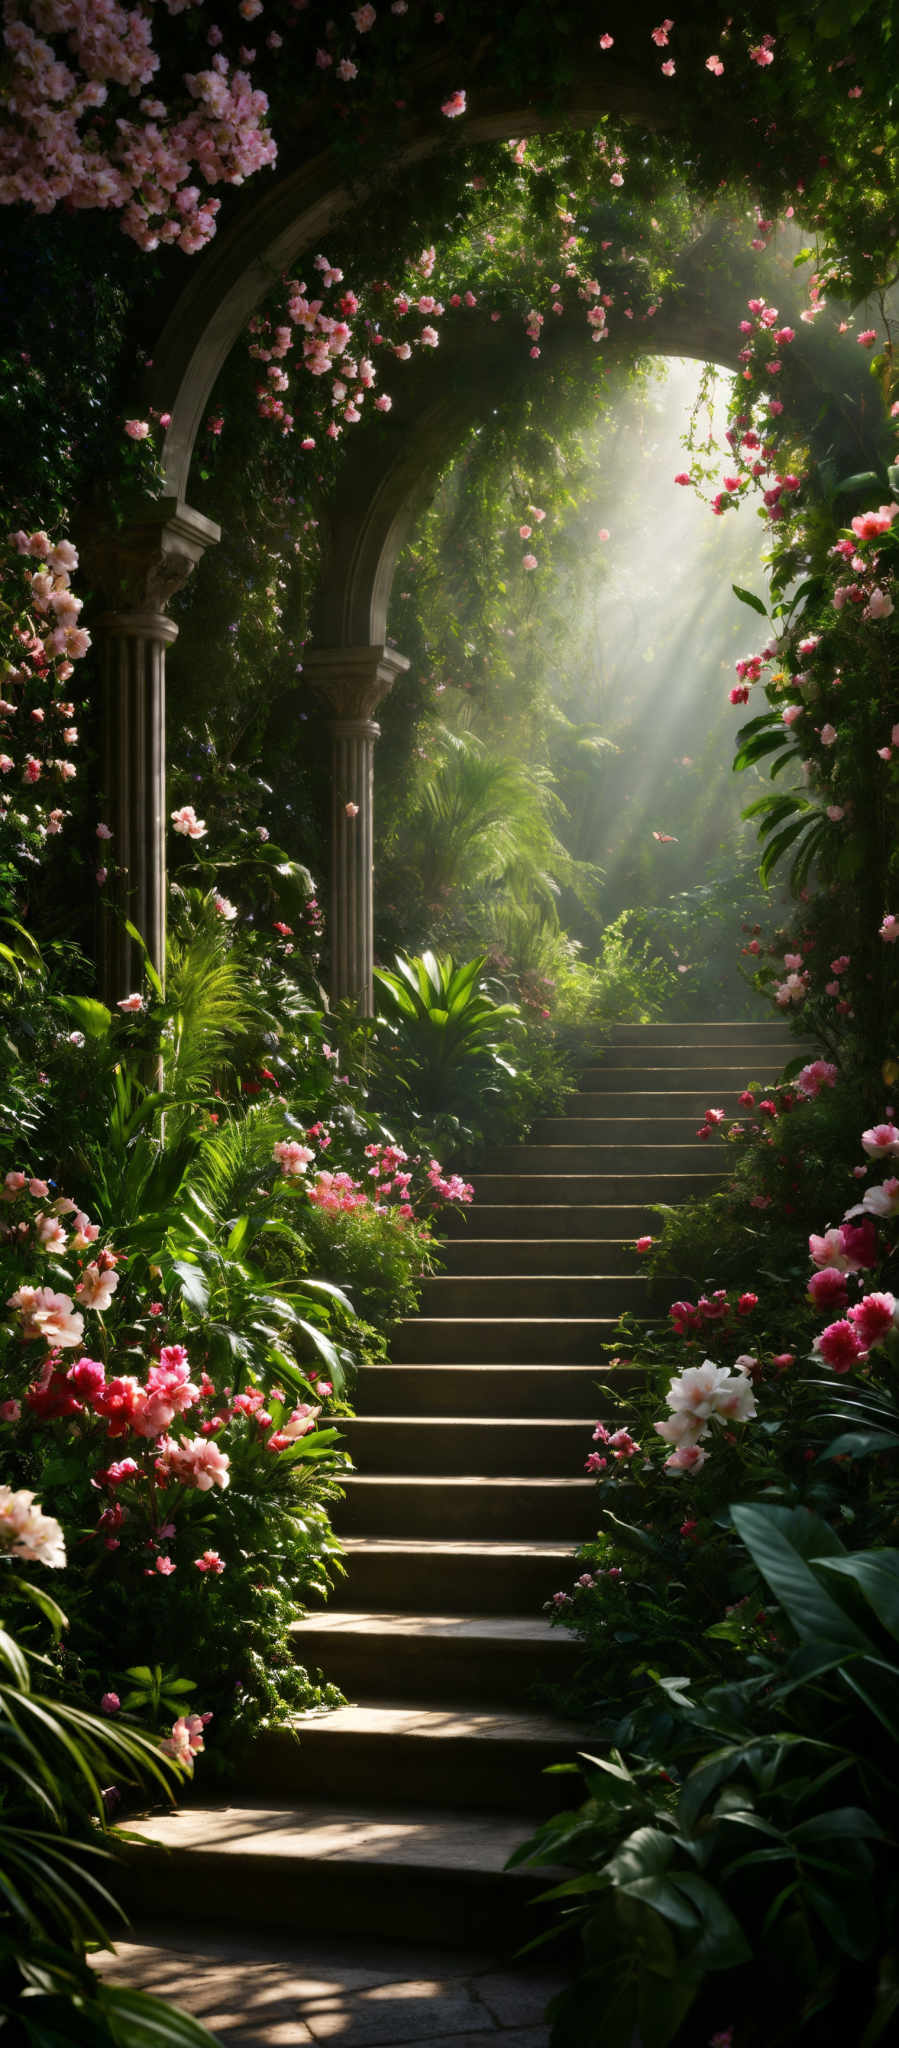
(674, 1053)
(510, 1390)
(435, 1874)
(743, 1031)
(632, 1128)
(658, 1103)
(505, 1340)
(393, 1574)
(577, 1190)
(538, 1255)
(453, 1658)
(429, 1444)
(623, 1221)
(641, 1155)
(471, 1507)
(546, 1294)
(735, 1067)
(417, 1756)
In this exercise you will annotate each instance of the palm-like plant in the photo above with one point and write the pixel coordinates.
(483, 821)
(55, 1854)
(445, 1037)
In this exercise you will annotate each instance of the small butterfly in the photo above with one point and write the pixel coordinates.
(666, 838)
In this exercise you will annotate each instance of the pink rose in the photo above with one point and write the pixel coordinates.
(838, 1346)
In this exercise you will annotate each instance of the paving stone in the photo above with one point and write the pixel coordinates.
(517, 2000)
(394, 2017)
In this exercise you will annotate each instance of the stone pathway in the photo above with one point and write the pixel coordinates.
(261, 1991)
(399, 1812)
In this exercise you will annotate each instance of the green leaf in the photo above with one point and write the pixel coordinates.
(93, 1018)
(781, 1542)
(876, 1573)
(194, 1288)
(860, 1443)
(748, 597)
(150, 970)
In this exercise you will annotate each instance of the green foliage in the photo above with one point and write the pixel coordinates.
(445, 1040)
(57, 1891)
(740, 1839)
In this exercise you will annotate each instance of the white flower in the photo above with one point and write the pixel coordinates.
(27, 1533)
(707, 1389)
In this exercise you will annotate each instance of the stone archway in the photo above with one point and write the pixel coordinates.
(385, 478)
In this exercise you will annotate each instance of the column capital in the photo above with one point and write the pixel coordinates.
(353, 680)
(141, 566)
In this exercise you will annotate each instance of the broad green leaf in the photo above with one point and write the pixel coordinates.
(781, 1541)
(748, 597)
(876, 1573)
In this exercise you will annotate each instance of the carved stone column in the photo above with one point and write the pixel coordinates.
(138, 570)
(353, 681)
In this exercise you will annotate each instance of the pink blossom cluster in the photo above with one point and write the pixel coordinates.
(73, 60)
(620, 1444)
(690, 1317)
(186, 1739)
(843, 1253)
(40, 640)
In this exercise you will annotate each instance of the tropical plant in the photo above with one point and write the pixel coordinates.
(742, 1862)
(57, 1850)
(443, 1039)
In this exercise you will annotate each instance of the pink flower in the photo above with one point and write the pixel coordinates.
(817, 1075)
(881, 1141)
(882, 1201)
(364, 18)
(11, 1410)
(828, 734)
(687, 1457)
(714, 65)
(49, 1316)
(210, 1562)
(889, 929)
(873, 1318)
(96, 1287)
(132, 1004)
(110, 1703)
(838, 1346)
(103, 832)
(644, 1244)
(292, 1157)
(827, 1288)
(352, 810)
(683, 477)
(668, 68)
(454, 106)
(606, 42)
(870, 525)
(529, 562)
(879, 605)
(196, 1461)
(187, 823)
(867, 337)
(137, 430)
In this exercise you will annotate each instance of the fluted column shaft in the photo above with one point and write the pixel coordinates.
(138, 568)
(352, 859)
(133, 656)
(353, 681)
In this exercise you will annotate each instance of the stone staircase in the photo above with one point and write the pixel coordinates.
(397, 1813)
